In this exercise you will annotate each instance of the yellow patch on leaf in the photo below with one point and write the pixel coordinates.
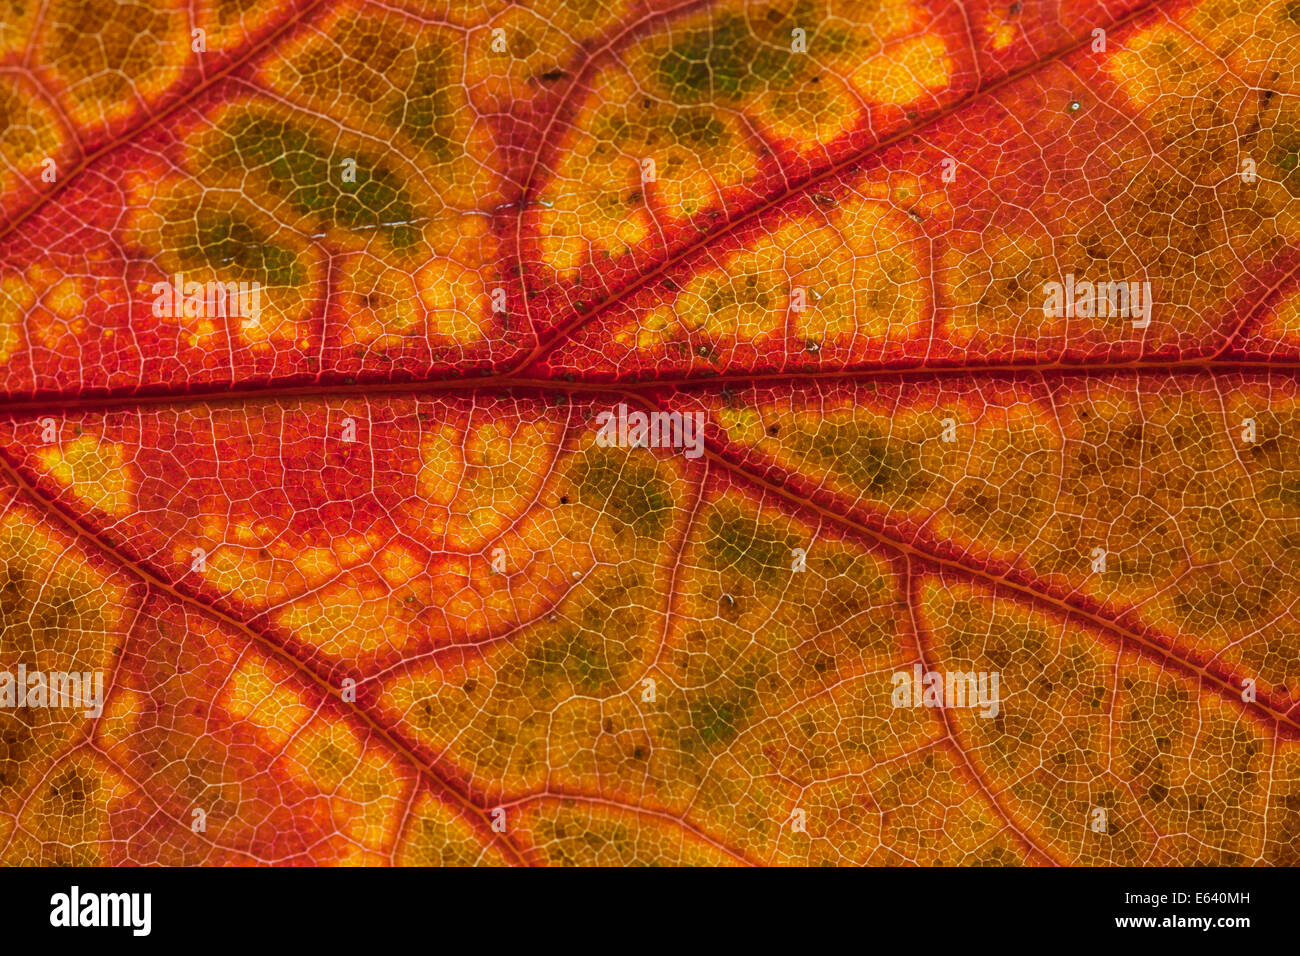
(98, 472)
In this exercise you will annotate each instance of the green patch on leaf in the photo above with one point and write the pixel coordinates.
(629, 492)
(748, 546)
(312, 177)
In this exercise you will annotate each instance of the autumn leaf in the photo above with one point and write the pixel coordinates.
(791, 431)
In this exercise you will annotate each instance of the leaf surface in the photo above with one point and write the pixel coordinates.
(368, 584)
